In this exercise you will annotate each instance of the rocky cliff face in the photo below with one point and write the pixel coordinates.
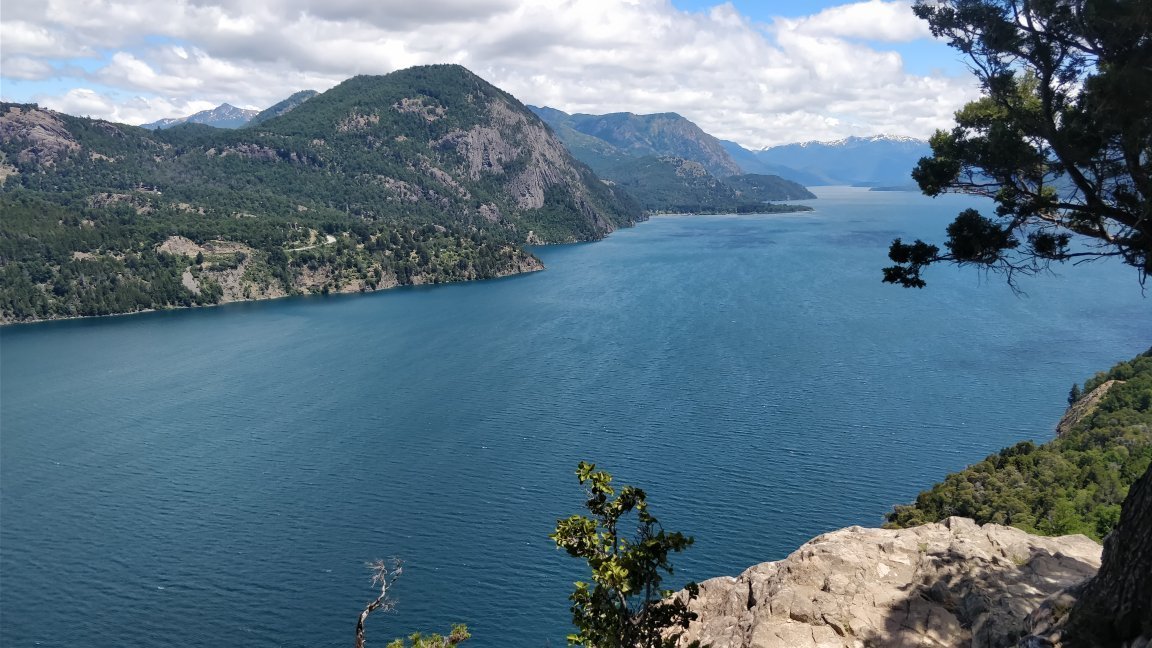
(447, 131)
(38, 137)
(953, 583)
(1077, 411)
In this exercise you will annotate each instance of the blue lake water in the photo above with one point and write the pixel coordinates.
(219, 477)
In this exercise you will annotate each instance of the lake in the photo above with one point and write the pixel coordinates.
(219, 477)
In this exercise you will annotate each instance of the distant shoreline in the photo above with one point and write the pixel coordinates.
(790, 209)
(5, 324)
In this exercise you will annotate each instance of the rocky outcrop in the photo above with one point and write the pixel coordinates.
(1114, 608)
(43, 138)
(953, 583)
(1083, 407)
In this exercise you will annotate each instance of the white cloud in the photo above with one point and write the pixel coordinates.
(812, 78)
(871, 20)
(27, 69)
(136, 110)
(20, 37)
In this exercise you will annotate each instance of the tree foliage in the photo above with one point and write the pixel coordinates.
(1061, 139)
(458, 635)
(624, 607)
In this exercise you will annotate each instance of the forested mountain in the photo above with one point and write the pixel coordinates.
(425, 175)
(658, 135)
(281, 107)
(676, 185)
(222, 116)
(667, 163)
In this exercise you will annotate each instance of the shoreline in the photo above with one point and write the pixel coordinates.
(30, 322)
(795, 209)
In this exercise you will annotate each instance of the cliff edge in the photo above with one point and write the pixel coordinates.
(953, 583)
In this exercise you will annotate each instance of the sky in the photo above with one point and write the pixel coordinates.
(758, 72)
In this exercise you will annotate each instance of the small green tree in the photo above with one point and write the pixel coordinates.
(459, 634)
(625, 606)
(1074, 394)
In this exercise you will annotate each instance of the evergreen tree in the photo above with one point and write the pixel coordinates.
(1061, 139)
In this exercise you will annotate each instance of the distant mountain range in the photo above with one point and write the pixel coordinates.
(667, 162)
(228, 116)
(613, 144)
(425, 175)
(882, 160)
(223, 116)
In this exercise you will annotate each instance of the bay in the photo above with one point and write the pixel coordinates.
(219, 477)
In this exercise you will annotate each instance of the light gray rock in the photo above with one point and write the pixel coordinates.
(953, 583)
(1084, 407)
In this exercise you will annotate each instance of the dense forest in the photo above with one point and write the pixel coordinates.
(672, 185)
(1072, 484)
(422, 176)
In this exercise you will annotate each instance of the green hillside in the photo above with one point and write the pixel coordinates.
(1072, 484)
(422, 176)
(282, 107)
(676, 185)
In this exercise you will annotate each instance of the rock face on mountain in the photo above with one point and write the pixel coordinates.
(446, 134)
(41, 138)
(1083, 407)
(953, 583)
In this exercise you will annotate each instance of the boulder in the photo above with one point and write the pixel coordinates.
(953, 583)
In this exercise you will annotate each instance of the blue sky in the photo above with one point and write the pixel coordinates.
(759, 73)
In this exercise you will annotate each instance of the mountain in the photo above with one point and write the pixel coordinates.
(661, 135)
(667, 163)
(750, 162)
(222, 116)
(282, 107)
(675, 185)
(424, 175)
(865, 161)
(761, 187)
